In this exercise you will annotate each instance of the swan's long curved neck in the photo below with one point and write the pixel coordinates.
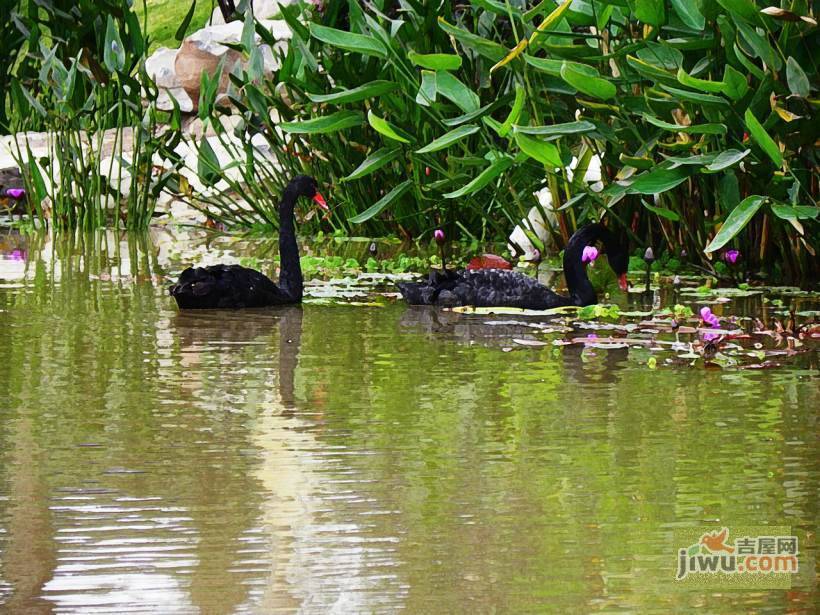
(290, 271)
(580, 288)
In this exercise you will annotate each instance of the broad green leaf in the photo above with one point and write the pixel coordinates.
(727, 159)
(383, 202)
(549, 21)
(384, 127)
(515, 112)
(696, 160)
(512, 55)
(689, 14)
(114, 52)
(551, 67)
(737, 219)
(587, 80)
(698, 129)
(652, 12)
(494, 124)
(248, 32)
(794, 212)
(735, 85)
(544, 152)
(650, 71)
(704, 99)
(704, 85)
(363, 92)
(374, 162)
(728, 191)
(207, 166)
(797, 79)
(427, 90)
(359, 43)
(742, 8)
(322, 125)
(658, 181)
(759, 45)
(454, 90)
(487, 48)
(435, 61)
(496, 168)
(447, 139)
(762, 138)
(568, 128)
(665, 213)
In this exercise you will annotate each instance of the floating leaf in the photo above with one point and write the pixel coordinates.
(386, 200)
(737, 219)
(447, 139)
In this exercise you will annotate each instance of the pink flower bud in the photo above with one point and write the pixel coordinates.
(589, 254)
(438, 235)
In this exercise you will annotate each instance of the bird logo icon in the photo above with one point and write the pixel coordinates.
(715, 541)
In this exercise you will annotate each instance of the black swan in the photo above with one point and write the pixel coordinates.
(500, 288)
(233, 286)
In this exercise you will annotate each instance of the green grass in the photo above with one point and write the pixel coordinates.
(165, 16)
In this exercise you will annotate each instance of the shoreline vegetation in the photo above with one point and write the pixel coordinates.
(701, 118)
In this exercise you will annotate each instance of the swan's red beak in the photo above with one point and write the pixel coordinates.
(622, 282)
(320, 201)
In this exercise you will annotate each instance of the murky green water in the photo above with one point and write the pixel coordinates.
(367, 459)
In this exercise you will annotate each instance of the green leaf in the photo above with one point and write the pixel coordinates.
(698, 129)
(487, 48)
(743, 8)
(515, 112)
(363, 92)
(794, 212)
(549, 21)
(737, 219)
(428, 90)
(699, 84)
(544, 152)
(447, 139)
(704, 99)
(759, 45)
(727, 159)
(658, 181)
(383, 202)
(689, 14)
(652, 12)
(366, 45)
(325, 124)
(762, 138)
(796, 78)
(496, 168)
(114, 52)
(665, 213)
(186, 21)
(454, 90)
(374, 162)
(435, 61)
(587, 80)
(384, 128)
(567, 128)
(650, 71)
(248, 32)
(207, 166)
(551, 67)
(735, 85)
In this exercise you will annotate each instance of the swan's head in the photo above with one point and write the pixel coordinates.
(618, 258)
(304, 185)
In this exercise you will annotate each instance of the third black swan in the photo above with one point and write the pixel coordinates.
(233, 286)
(500, 288)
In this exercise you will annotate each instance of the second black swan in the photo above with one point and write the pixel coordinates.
(501, 288)
(233, 286)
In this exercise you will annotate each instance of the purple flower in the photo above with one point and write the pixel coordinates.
(17, 255)
(731, 256)
(589, 254)
(592, 336)
(438, 235)
(709, 318)
(16, 193)
(710, 337)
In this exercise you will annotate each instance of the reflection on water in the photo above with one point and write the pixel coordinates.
(361, 459)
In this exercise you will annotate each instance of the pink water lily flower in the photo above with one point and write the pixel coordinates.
(438, 235)
(709, 318)
(16, 193)
(589, 254)
(731, 256)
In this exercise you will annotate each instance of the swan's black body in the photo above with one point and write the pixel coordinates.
(232, 286)
(502, 288)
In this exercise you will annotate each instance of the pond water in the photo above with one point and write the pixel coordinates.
(368, 458)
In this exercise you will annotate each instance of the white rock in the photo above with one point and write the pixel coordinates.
(262, 9)
(160, 66)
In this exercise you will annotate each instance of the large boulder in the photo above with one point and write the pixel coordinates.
(161, 66)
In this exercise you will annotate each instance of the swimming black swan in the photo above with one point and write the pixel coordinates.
(499, 288)
(232, 286)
